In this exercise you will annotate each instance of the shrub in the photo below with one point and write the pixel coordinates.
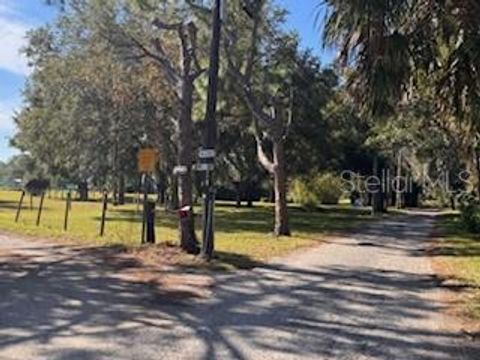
(470, 213)
(318, 189)
(328, 188)
(302, 193)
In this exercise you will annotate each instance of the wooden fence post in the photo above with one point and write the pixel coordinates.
(40, 208)
(19, 206)
(67, 210)
(104, 213)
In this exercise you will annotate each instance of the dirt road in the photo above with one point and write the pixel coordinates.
(369, 296)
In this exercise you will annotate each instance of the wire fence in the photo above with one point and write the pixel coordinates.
(56, 214)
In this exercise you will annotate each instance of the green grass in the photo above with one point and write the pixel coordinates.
(459, 251)
(243, 235)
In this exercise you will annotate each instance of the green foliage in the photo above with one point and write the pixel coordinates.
(378, 53)
(386, 45)
(328, 188)
(459, 254)
(88, 106)
(321, 188)
(21, 167)
(470, 213)
(302, 192)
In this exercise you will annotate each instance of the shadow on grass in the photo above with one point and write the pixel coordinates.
(226, 261)
(260, 219)
(255, 221)
(454, 239)
(11, 205)
(230, 219)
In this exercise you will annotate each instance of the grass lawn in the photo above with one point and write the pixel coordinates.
(459, 257)
(242, 234)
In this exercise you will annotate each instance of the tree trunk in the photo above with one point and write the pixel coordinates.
(399, 183)
(377, 199)
(121, 190)
(477, 168)
(271, 193)
(83, 191)
(248, 194)
(115, 194)
(238, 194)
(452, 203)
(188, 239)
(161, 196)
(280, 188)
(174, 202)
(161, 187)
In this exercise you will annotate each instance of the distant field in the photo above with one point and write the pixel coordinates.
(242, 234)
(459, 256)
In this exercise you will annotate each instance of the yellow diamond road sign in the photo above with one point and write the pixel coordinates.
(147, 160)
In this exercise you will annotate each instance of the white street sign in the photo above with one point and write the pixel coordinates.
(180, 170)
(206, 153)
(203, 167)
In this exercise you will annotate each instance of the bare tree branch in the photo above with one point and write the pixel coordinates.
(253, 43)
(288, 125)
(250, 98)
(172, 74)
(164, 26)
(263, 158)
(261, 155)
(192, 33)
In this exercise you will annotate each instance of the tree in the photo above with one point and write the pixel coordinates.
(181, 78)
(89, 108)
(268, 96)
(210, 131)
(391, 47)
(377, 51)
(310, 142)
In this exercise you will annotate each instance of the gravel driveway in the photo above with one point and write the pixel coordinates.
(369, 296)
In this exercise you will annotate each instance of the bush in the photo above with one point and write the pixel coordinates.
(302, 193)
(328, 188)
(318, 189)
(470, 213)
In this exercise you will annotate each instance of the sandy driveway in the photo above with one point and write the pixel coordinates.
(371, 296)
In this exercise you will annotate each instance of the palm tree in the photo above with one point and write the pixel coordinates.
(375, 49)
(386, 45)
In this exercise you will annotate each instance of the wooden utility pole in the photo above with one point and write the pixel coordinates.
(210, 133)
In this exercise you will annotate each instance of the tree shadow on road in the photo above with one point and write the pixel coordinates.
(73, 306)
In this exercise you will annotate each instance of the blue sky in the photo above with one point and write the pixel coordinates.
(18, 16)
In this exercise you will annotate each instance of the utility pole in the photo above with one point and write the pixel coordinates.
(210, 134)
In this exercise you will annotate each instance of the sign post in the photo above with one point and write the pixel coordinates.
(206, 160)
(210, 134)
(147, 162)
